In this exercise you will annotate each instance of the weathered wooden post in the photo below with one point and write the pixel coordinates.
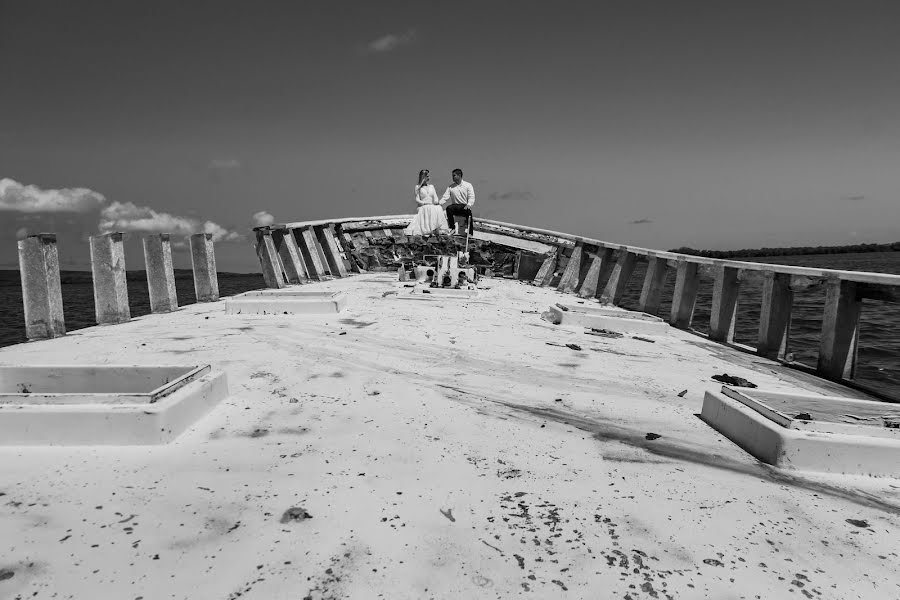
(618, 279)
(548, 267)
(268, 258)
(306, 242)
(775, 315)
(687, 281)
(160, 275)
(840, 330)
(329, 246)
(203, 260)
(724, 303)
(110, 286)
(588, 287)
(41, 290)
(352, 256)
(654, 281)
(287, 249)
(569, 281)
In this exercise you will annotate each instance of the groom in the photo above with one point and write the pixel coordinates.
(461, 197)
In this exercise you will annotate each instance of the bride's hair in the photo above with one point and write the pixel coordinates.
(422, 175)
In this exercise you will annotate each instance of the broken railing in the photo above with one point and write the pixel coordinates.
(42, 290)
(591, 268)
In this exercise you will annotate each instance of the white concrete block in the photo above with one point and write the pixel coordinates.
(285, 302)
(621, 321)
(860, 453)
(115, 411)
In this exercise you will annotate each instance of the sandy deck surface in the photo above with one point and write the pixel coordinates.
(443, 450)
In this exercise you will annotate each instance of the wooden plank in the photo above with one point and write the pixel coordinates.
(268, 260)
(684, 297)
(840, 330)
(775, 315)
(724, 304)
(618, 279)
(654, 281)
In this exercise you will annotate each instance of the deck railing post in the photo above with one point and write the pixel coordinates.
(309, 251)
(569, 281)
(160, 274)
(329, 246)
(840, 330)
(775, 315)
(41, 290)
(203, 260)
(654, 281)
(618, 279)
(291, 263)
(684, 297)
(110, 286)
(726, 287)
(268, 259)
(548, 267)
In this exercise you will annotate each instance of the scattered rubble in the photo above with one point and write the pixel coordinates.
(732, 380)
(295, 513)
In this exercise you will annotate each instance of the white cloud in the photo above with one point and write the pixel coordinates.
(263, 219)
(21, 233)
(17, 197)
(391, 41)
(127, 216)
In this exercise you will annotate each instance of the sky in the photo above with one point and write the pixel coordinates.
(655, 123)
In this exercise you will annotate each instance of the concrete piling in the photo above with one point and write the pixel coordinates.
(684, 297)
(569, 281)
(545, 273)
(840, 330)
(654, 281)
(724, 303)
(330, 250)
(775, 315)
(309, 251)
(110, 286)
(618, 279)
(203, 261)
(41, 290)
(268, 259)
(287, 249)
(160, 274)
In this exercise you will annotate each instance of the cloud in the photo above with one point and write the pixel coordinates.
(389, 42)
(263, 219)
(640, 222)
(853, 197)
(17, 197)
(21, 233)
(127, 216)
(224, 164)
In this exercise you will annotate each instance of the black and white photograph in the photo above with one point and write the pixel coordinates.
(416, 300)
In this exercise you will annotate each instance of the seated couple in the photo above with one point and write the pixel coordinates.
(432, 217)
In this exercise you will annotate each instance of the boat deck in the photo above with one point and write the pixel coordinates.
(444, 449)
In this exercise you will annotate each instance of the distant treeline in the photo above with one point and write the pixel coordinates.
(748, 252)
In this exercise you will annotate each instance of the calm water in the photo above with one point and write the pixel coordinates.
(879, 343)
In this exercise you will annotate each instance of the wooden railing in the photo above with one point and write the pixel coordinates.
(598, 269)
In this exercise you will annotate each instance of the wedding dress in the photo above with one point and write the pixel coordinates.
(431, 217)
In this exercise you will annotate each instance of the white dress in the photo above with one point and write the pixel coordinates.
(431, 217)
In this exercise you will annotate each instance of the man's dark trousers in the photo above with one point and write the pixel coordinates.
(459, 210)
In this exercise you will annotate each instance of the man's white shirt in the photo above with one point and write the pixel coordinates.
(463, 194)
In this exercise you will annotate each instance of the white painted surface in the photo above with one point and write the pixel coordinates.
(455, 406)
(285, 304)
(803, 450)
(102, 424)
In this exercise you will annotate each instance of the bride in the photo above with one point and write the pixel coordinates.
(431, 217)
